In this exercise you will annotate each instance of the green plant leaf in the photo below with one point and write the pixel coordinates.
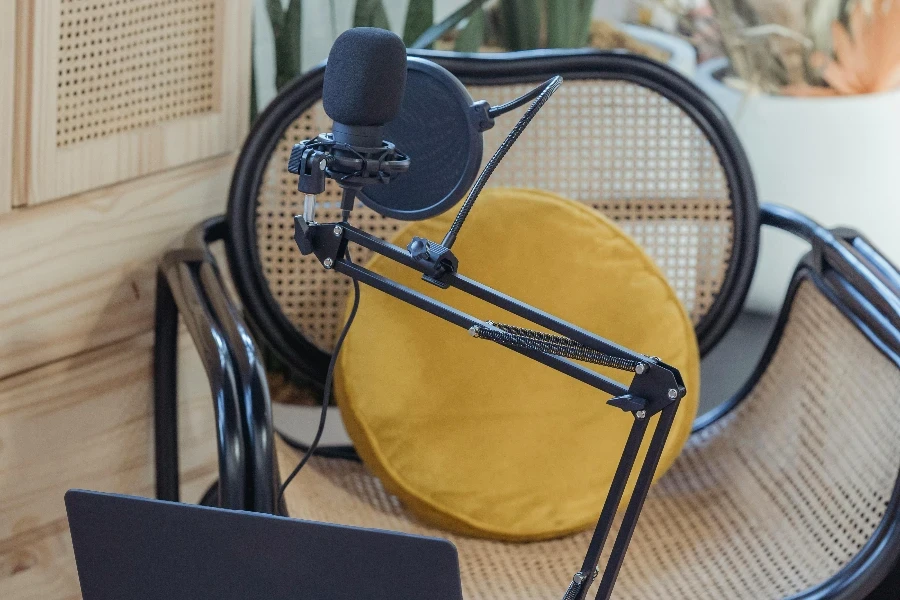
(419, 17)
(568, 23)
(332, 19)
(276, 14)
(472, 35)
(583, 21)
(288, 61)
(370, 13)
(436, 31)
(521, 24)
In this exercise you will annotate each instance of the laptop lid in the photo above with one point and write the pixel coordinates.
(142, 549)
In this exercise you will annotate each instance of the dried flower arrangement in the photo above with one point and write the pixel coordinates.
(812, 47)
(866, 58)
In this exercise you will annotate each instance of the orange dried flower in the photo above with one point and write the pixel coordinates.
(866, 58)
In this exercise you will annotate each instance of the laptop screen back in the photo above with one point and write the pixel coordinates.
(141, 549)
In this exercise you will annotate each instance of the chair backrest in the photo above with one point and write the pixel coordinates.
(625, 135)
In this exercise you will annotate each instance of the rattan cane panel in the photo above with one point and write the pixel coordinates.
(620, 148)
(640, 160)
(769, 502)
(128, 64)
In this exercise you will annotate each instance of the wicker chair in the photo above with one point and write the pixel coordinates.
(788, 490)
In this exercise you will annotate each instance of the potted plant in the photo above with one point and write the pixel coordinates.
(512, 25)
(477, 25)
(816, 103)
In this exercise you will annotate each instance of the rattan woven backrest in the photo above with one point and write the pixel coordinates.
(617, 145)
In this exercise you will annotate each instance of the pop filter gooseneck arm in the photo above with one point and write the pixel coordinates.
(356, 158)
(540, 94)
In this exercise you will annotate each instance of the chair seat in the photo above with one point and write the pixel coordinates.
(769, 501)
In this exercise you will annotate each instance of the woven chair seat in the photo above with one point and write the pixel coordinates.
(770, 501)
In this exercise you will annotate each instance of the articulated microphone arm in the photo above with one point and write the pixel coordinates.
(656, 388)
(361, 95)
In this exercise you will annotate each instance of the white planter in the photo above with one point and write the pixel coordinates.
(834, 159)
(682, 55)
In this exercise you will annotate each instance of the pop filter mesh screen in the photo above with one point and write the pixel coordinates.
(618, 147)
(433, 129)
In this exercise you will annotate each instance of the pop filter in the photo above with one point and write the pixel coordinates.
(439, 128)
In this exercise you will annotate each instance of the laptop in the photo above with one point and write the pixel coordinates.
(129, 548)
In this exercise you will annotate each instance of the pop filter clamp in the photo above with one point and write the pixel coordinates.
(656, 388)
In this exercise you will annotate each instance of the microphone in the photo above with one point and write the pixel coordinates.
(382, 102)
(365, 78)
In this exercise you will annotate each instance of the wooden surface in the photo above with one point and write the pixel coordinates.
(7, 72)
(77, 275)
(80, 273)
(86, 422)
(52, 167)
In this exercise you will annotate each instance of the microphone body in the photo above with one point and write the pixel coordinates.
(365, 79)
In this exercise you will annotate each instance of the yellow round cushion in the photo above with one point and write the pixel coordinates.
(475, 438)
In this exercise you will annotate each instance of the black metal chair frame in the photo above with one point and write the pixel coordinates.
(842, 263)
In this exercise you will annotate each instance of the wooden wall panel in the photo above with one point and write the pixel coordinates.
(80, 273)
(7, 74)
(86, 422)
(120, 90)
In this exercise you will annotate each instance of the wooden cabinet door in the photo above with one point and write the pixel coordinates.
(122, 88)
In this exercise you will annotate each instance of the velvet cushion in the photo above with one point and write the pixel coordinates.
(475, 438)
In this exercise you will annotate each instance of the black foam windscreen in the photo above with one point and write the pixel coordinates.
(364, 77)
(440, 131)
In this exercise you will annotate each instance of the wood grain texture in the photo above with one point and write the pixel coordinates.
(7, 91)
(80, 273)
(57, 165)
(86, 422)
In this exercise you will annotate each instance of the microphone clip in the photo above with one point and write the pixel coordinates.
(349, 165)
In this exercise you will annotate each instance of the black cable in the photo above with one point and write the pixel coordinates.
(546, 90)
(326, 399)
(341, 452)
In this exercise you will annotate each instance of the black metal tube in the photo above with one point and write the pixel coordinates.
(466, 321)
(791, 221)
(544, 319)
(217, 362)
(838, 254)
(613, 499)
(165, 389)
(495, 297)
(636, 504)
(253, 393)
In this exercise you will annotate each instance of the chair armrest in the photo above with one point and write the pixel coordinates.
(255, 403)
(179, 292)
(849, 272)
(844, 256)
(233, 365)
